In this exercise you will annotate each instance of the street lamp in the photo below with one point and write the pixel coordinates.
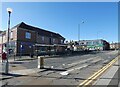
(79, 30)
(2, 42)
(9, 10)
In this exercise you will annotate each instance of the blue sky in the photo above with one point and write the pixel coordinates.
(100, 18)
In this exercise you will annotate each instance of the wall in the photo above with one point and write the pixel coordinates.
(47, 40)
(21, 35)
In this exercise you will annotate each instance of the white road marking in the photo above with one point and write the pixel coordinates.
(70, 70)
(82, 61)
(78, 68)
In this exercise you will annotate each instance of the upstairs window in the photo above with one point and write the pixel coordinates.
(53, 40)
(61, 41)
(90, 43)
(100, 42)
(43, 38)
(28, 35)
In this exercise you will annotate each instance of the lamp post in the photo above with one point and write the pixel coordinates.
(9, 10)
(2, 42)
(79, 34)
(79, 30)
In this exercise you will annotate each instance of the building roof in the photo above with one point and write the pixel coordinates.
(39, 30)
(115, 43)
(94, 40)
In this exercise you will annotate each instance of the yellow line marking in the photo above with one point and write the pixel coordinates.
(93, 75)
(98, 73)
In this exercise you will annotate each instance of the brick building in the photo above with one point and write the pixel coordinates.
(98, 44)
(23, 37)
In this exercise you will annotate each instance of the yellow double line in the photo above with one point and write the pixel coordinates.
(97, 74)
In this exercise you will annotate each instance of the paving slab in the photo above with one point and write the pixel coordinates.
(39, 81)
(26, 71)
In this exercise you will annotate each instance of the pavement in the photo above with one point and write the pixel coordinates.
(111, 77)
(16, 69)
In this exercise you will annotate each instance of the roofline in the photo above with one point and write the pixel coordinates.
(18, 25)
(44, 30)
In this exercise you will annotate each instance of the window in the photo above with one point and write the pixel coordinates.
(89, 43)
(82, 43)
(43, 38)
(28, 35)
(53, 40)
(11, 34)
(100, 42)
(95, 42)
(61, 41)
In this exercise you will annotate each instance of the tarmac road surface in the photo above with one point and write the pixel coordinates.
(71, 70)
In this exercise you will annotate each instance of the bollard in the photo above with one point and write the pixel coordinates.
(6, 67)
(40, 62)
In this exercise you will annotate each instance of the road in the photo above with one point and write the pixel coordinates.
(104, 56)
(70, 70)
